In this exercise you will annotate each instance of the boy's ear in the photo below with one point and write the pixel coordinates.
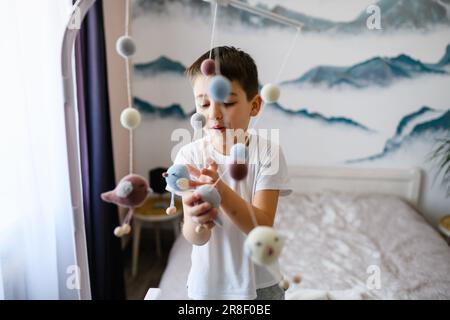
(256, 105)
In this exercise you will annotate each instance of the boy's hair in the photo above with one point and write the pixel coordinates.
(234, 64)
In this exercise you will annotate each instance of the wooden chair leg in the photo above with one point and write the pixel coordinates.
(136, 241)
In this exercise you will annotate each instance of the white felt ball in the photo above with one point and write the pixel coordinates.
(270, 93)
(126, 228)
(118, 232)
(198, 121)
(263, 245)
(171, 211)
(130, 118)
(284, 284)
(125, 46)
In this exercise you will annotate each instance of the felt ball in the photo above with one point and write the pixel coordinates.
(270, 93)
(118, 232)
(126, 228)
(125, 46)
(219, 88)
(263, 245)
(171, 211)
(284, 284)
(238, 171)
(208, 67)
(198, 121)
(209, 194)
(238, 153)
(297, 279)
(130, 118)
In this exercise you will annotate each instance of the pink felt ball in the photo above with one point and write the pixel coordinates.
(208, 67)
(238, 171)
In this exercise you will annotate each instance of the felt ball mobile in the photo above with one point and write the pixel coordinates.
(263, 244)
(132, 190)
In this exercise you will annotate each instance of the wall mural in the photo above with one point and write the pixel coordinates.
(351, 95)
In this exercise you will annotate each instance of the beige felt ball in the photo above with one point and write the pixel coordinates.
(118, 232)
(171, 211)
(284, 284)
(130, 118)
(297, 279)
(126, 228)
(270, 93)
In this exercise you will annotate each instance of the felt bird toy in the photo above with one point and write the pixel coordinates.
(131, 192)
(178, 179)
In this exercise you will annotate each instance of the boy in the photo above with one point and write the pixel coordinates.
(220, 269)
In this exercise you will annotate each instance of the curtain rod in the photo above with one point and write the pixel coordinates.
(258, 11)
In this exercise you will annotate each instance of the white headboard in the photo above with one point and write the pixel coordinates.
(404, 183)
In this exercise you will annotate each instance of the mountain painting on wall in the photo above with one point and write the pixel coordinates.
(350, 95)
(396, 15)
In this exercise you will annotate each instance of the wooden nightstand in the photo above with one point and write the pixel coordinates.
(153, 214)
(444, 228)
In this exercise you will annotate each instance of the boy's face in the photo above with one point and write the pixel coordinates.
(234, 114)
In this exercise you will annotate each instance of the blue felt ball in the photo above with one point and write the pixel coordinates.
(238, 153)
(177, 176)
(209, 194)
(198, 121)
(219, 88)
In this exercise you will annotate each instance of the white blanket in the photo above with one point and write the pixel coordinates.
(340, 243)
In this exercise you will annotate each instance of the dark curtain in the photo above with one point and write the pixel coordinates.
(104, 249)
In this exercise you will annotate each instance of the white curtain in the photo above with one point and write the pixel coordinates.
(36, 236)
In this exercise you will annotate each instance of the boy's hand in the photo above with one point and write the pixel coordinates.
(207, 175)
(200, 212)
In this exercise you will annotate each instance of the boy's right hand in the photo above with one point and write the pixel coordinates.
(199, 211)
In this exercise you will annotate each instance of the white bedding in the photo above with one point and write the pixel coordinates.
(332, 238)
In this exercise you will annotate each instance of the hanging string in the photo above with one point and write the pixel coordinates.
(128, 217)
(286, 57)
(247, 137)
(128, 76)
(127, 17)
(214, 8)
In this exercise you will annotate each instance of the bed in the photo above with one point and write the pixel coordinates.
(350, 234)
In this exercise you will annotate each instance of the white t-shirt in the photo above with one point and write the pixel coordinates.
(220, 269)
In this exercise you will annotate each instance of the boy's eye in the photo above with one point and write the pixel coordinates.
(229, 104)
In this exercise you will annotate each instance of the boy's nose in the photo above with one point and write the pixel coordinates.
(215, 111)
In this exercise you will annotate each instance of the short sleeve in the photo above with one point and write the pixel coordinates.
(273, 172)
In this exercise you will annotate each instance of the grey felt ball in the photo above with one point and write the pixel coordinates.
(198, 121)
(125, 46)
